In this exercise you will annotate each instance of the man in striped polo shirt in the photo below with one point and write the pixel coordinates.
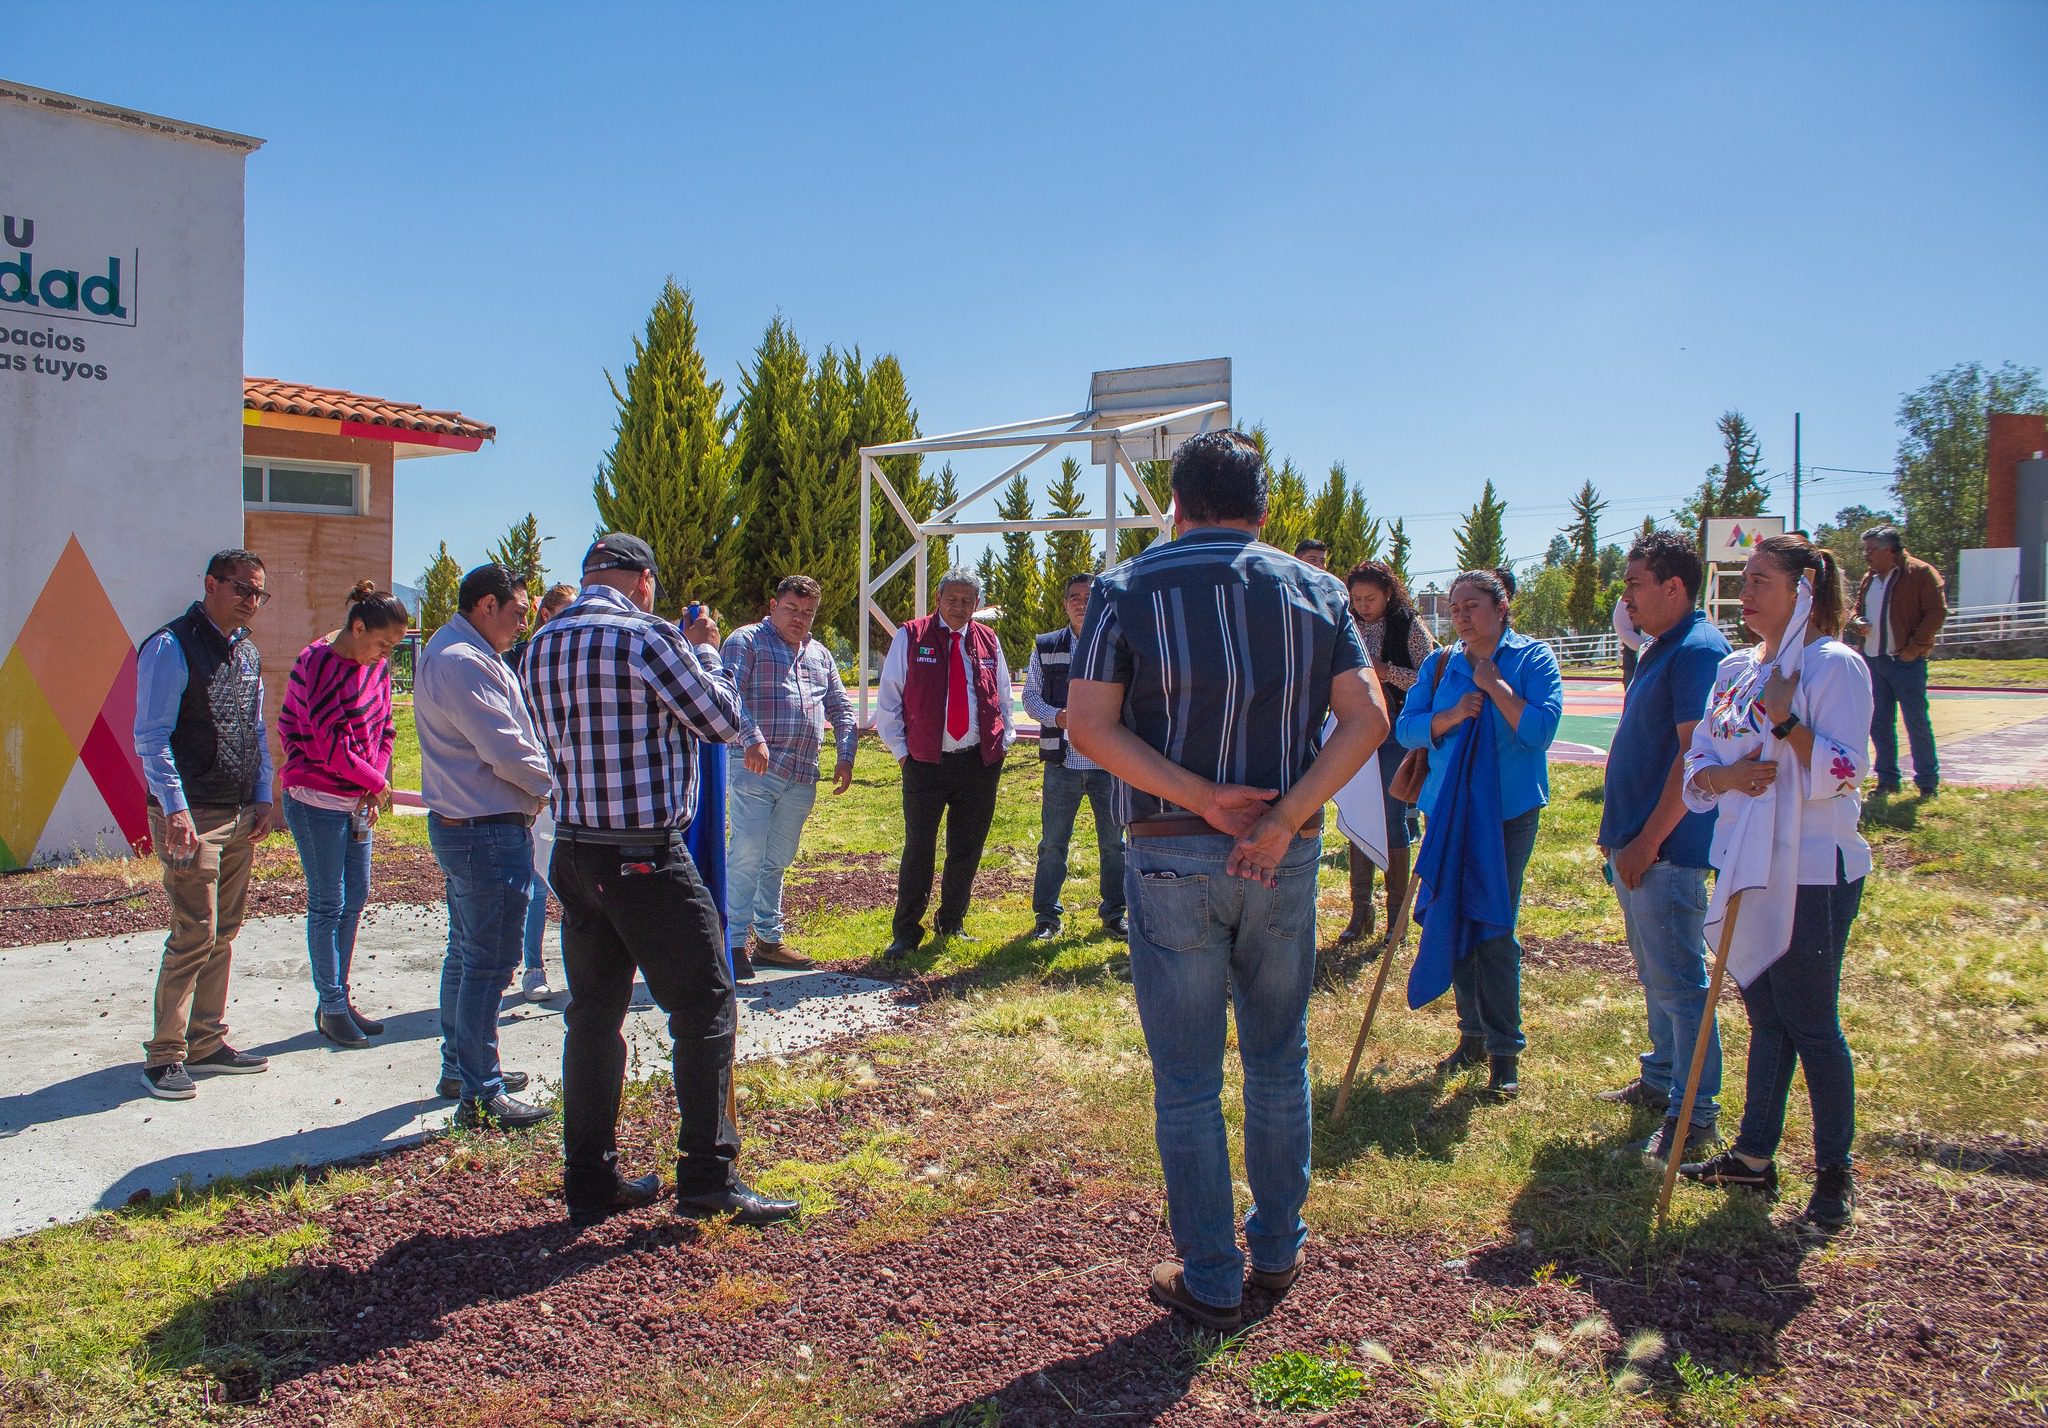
(1201, 679)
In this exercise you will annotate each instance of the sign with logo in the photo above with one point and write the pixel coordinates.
(1730, 540)
(47, 287)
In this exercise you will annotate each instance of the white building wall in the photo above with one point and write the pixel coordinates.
(131, 451)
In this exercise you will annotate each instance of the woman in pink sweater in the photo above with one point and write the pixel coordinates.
(337, 734)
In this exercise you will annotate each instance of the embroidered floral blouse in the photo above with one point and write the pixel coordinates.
(1833, 700)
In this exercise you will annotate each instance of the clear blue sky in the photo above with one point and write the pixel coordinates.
(1537, 242)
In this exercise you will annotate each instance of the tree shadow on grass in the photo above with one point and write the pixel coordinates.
(1135, 1378)
(294, 1321)
(1720, 1288)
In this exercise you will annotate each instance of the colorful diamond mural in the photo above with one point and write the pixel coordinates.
(67, 696)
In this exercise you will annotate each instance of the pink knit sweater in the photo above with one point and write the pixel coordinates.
(336, 724)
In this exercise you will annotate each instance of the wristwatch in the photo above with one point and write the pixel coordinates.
(1785, 729)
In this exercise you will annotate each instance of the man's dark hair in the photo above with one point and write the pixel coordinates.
(799, 585)
(493, 579)
(1220, 476)
(1668, 553)
(1079, 577)
(1888, 537)
(226, 562)
(1304, 546)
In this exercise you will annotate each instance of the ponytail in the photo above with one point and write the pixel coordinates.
(377, 609)
(1797, 556)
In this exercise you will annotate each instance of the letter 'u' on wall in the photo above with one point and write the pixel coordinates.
(120, 439)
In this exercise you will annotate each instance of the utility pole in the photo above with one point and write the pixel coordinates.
(1796, 524)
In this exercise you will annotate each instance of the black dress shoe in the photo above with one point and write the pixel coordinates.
(500, 1112)
(742, 965)
(450, 1087)
(899, 951)
(746, 1205)
(626, 1195)
(1471, 1051)
(340, 1028)
(956, 934)
(1118, 926)
(1046, 930)
(367, 1025)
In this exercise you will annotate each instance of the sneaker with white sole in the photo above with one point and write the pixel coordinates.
(169, 1082)
(231, 1062)
(534, 985)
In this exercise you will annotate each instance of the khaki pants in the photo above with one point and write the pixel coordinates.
(206, 912)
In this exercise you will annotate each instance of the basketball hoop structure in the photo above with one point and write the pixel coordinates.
(1133, 414)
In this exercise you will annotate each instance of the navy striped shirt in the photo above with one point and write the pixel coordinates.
(1226, 649)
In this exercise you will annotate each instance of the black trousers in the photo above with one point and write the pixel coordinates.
(961, 789)
(641, 907)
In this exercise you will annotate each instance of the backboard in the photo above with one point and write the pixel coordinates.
(1127, 394)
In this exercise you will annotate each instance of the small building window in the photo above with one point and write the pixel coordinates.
(304, 486)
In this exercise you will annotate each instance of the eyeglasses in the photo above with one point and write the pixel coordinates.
(243, 588)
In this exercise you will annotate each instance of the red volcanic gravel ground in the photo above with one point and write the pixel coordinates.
(449, 1284)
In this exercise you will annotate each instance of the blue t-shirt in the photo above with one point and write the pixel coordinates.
(1673, 680)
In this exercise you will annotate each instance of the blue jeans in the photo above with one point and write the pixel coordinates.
(537, 907)
(1064, 789)
(1898, 687)
(1795, 1020)
(489, 870)
(337, 869)
(764, 821)
(1487, 981)
(1201, 942)
(1665, 918)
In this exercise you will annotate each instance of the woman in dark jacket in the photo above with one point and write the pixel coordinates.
(1398, 642)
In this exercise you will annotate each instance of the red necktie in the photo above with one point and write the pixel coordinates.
(956, 690)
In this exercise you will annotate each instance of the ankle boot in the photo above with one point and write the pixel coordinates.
(1360, 926)
(1503, 1082)
(1471, 1051)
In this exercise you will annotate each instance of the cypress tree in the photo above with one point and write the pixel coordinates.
(519, 549)
(1482, 538)
(775, 393)
(882, 413)
(1132, 538)
(439, 585)
(1583, 606)
(668, 477)
(1398, 554)
(1018, 580)
(1066, 552)
(938, 554)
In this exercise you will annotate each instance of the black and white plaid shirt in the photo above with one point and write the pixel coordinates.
(621, 699)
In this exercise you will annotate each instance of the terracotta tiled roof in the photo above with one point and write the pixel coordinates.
(267, 394)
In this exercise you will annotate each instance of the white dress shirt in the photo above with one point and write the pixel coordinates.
(1876, 618)
(889, 698)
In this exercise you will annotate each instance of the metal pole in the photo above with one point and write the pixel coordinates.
(866, 559)
(1109, 508)
(1795, 473)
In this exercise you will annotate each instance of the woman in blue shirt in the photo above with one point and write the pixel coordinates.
(1497, 674)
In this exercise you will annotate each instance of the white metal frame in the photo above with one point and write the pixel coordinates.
(1044, 435)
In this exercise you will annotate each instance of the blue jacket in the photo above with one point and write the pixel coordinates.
(1530, 669)
(1462, 895)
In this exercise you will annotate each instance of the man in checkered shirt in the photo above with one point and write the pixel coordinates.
(622, 697)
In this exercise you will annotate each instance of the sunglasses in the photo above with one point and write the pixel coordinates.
(243, 588)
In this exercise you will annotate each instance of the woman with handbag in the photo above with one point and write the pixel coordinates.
(1782, 752)
(337, 734)
(1398, 642)
(1496, 674)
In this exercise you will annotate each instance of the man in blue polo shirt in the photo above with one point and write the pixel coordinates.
(1656, 850)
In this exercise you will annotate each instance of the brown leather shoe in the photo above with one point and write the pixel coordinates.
(1278, 1281)
(779, 954)
(1170, 1291)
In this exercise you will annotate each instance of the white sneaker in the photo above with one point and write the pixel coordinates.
(534, 985)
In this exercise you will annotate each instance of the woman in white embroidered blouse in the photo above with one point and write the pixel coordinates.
(1804, 736)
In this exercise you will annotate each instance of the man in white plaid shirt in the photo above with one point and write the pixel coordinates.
(621, 697)
(790, 693)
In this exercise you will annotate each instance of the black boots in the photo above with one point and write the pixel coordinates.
(1471, 1051)
(1361, 924)
(1502, 1081)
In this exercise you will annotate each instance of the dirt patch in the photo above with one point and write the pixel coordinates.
(453, 1281)
(864, 882)
(1608, 958)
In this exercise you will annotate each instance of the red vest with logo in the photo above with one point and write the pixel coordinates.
(929, 644)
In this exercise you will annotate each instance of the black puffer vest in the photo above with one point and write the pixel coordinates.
(218, 742)
(1400, 624)
(1055, 660)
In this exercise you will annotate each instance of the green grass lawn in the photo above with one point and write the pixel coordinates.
(2020, 673)
(1946, 997)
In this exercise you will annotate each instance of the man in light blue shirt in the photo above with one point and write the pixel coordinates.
(1070, 776)
(483, 776)
(206, 761)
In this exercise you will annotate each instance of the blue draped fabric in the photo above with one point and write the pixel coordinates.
(706, 834)
(1462, 896)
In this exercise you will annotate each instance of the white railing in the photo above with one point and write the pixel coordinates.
(1974, 624)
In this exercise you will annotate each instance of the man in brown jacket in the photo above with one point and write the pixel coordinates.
(1900, 606)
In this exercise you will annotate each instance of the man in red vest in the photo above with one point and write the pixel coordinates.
(944, 712)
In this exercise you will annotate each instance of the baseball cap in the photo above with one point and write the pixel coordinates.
(618, 551)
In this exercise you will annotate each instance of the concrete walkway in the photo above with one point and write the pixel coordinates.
(79, 1133)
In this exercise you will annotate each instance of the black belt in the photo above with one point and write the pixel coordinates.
(615, 837)
(524, 820)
